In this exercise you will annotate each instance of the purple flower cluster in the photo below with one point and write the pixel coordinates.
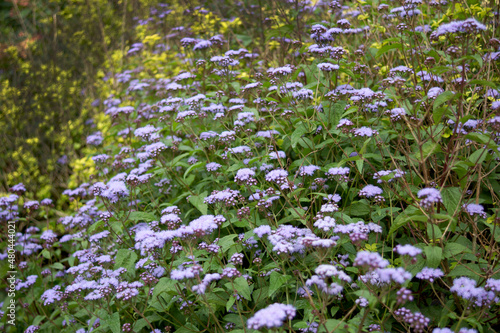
(469, 26)
(307, 170)
(408, 250)
(245, 176)
(430, 274)
(416, 320)
(429, 197)
(371, 260)
(228, 197)
(474, 209)
(272, 316)
(340, 173)
(466, 288)
(372, 191)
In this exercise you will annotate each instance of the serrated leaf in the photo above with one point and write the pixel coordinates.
(114, 323)
(198, 202)
(451, 199)
(226, 242)
(163, 292)
(452, 249)
(428, 149)
(192, 167)
(386, 48)
(125, 258)
(178, 158)
(58, 265)
(335, 113)
(297, 134)
(277, 280)
(442, 98)
(142, 216)
(468, 271)
(38, 319)
(348, 72)
(438, 114)
(478, 156)
(332, 325)
(359, 208)
(234, 167)
(403, 218)
(483, 83)
(479, 138)
(434, 255)
(95, 226)
(231, 301)
(46, 253)
(433, 232)
(242, 287)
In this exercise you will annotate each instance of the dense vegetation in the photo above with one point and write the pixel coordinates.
(286, 166)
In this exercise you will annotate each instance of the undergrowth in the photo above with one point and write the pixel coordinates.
(279, 166)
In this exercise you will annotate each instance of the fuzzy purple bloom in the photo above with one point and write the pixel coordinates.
(271, 317)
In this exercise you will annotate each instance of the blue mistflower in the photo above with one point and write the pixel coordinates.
(272, 316)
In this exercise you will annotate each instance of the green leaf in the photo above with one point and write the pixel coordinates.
(479, 138)
(359, 165)
(163, 293)
(386, 48)
(438, 114)
(478, 156)
(451, 199)
(347, 71)
(231, 300)
(483, 83)
(142, 216)
(95, 226)
(125, 258)
(441, 99)
(234, 167)
(335, 113)
(226, 242)
(58, 265)
(242, 287)
(359, 208)
(178, 158)
(37, 320)
(246, 40)
(495, 230)
(277, 280)
(333, 325)
(46, 254)
(469, 271)
(428, 149)
(433, 229)
(297, 134)
(409, 214)
(114, 323)
(192, 167)
(452, 249)
(434, 255)
(198, 202)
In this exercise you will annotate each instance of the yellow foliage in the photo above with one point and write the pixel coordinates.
(273, 44)
(82, 168)
(151, 39)
(206, 23)
(226, 25)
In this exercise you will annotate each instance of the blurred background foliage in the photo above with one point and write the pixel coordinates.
(54, 55)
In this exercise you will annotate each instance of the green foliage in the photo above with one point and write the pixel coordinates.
(359, 181)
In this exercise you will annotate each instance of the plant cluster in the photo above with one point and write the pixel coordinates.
(326, 167)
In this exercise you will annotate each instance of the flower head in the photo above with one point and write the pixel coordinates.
(271, 317)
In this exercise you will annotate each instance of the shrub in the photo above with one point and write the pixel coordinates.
(340, 178)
